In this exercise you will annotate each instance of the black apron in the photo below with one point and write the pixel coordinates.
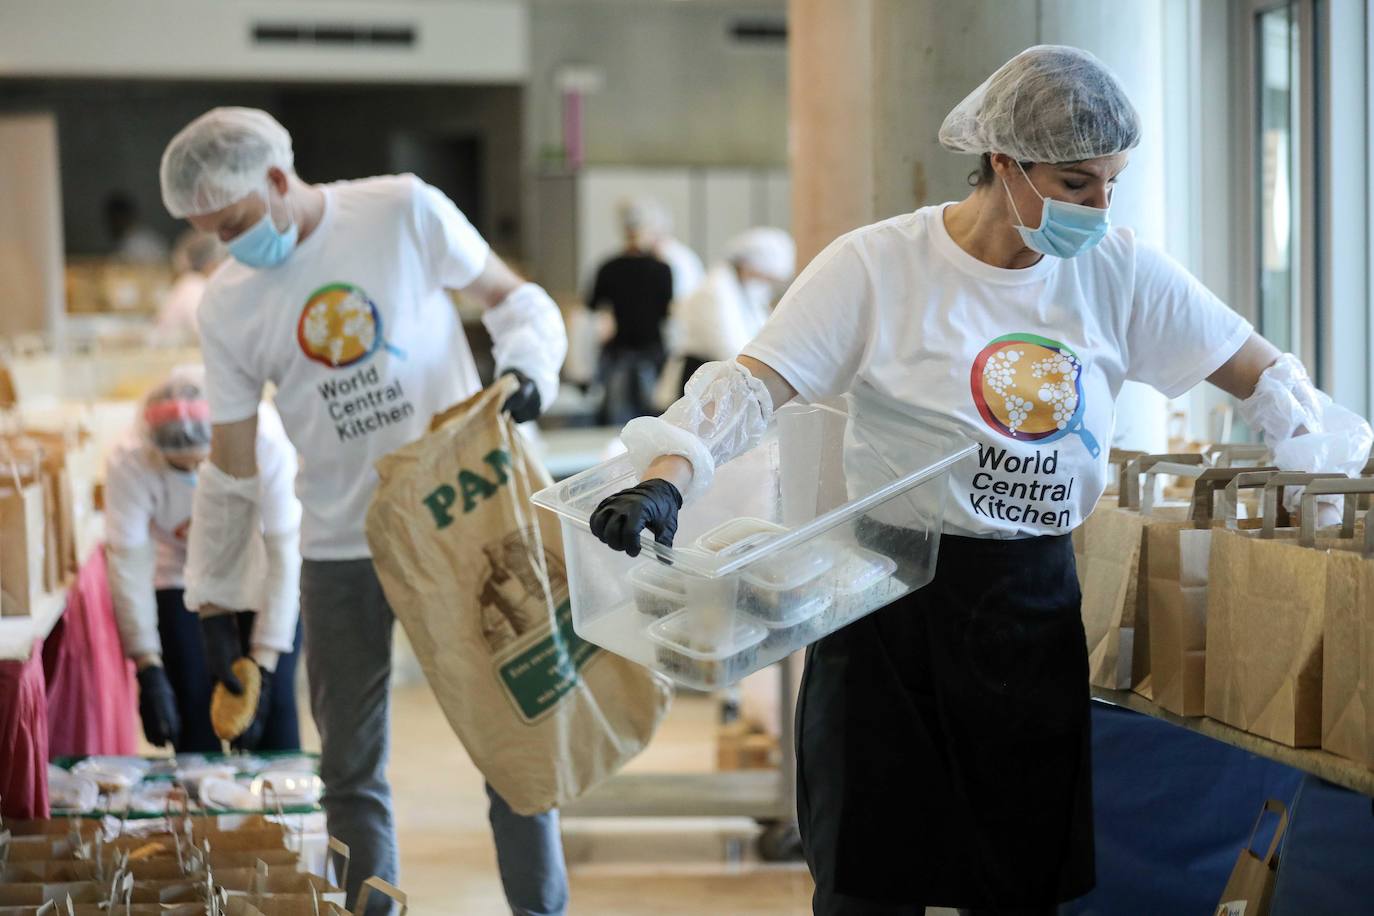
(943, 741)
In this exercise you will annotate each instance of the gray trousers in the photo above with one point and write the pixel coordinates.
(347, 626)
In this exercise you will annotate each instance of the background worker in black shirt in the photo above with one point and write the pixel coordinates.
(638, 288)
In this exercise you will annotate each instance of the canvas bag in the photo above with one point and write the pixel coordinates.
(1250, 889)
(1107, 554)
(477, 579)
(1265, 618)
(1174, 561)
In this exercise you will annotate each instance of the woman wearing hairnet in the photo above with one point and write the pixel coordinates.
(150, 482)
(732, 303)
(943, 744)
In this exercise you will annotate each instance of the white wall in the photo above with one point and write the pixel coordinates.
(458, 40)
(676, 90)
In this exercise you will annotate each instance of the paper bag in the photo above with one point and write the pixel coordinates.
(477, 579)
(1265, 617)
(1174, 563)
(1348, 648)
(1250, 889)
(1107, 552)
(22, 533)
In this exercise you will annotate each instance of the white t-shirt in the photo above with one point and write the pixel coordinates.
(688, 271)
(356, 331)
(1025, 363)
(146, 497)
(718, 319)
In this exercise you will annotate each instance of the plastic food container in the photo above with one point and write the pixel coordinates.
(835, 513)
(702, 654)
(778, 590)
(659, 590)
(806, 623)
(863, 580)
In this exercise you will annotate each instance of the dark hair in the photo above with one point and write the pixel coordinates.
(984, 175)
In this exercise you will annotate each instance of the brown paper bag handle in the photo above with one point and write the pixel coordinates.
(1246, 480)
(377, 884)
(1169, 468)
(1222, 456)
(1119, 458)
(337, 845)
(1273, 491)
(1129, 497)
(1275, 806)
(1215, 481)
(1341, 487)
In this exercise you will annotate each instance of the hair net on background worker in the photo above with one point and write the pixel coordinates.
(220, 158)
(1050, 103)
(766, 250)
(644, 214)
(176, 414)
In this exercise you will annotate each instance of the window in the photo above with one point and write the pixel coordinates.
(1279, 85)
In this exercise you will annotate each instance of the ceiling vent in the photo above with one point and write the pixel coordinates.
(334, 35)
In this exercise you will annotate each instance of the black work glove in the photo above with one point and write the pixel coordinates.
(618, 521)
(252, 735)
(223, 647)
(157, 707)
(525, 403)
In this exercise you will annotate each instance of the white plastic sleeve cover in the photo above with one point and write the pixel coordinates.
(135, 599)
(1306, 430)
(527, 333)
(226, 563)
(723, 414)
(274, 630)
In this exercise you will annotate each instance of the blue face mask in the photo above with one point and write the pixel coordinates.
(263, 244)
(1066, 230)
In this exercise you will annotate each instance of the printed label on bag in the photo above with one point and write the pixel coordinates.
(1232, 908)
(538, 676)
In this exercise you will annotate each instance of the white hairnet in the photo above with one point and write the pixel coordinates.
(644, 214)
(175, 418)
(220, 158)
(764, 249)
(1050, 103)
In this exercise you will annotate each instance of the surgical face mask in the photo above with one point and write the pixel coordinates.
(1066, 230)
(263, 244)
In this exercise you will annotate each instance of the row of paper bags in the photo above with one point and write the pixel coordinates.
(1221, 607)
(44, 493)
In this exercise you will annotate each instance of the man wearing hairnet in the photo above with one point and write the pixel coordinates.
(650, 222)
(150, 483)
(338, 295)
(732, 305)
(637, 286)
(943, 741)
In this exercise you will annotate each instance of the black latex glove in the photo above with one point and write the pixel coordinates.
(618, 521)
(157, 707)
(525, 403)
(223, 647)
(252, 735)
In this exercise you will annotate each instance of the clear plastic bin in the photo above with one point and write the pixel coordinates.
(836, 513)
